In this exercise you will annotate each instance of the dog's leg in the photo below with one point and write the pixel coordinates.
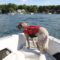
(41, 46)
(33, 42)
(46, 46)
(28, 43)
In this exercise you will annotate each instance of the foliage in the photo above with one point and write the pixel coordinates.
(32, 8)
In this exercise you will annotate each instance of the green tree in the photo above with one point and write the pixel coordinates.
(12, 7)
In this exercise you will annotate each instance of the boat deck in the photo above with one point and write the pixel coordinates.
(34, 54)
(28, 54)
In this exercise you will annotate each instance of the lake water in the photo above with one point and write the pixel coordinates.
(8, 23)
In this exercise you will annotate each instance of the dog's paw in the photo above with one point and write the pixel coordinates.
(28, 47)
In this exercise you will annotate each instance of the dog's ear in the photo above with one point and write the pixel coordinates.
(19, 26)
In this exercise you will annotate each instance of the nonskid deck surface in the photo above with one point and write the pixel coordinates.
(34, 54)
(28, 54)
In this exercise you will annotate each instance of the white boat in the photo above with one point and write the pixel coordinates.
(16, 45)
(12, 13)
(32, 13)
(49, 13)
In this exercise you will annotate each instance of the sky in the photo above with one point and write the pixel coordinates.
(31, 2)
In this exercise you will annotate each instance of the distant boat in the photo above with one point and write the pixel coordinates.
(21, 13)
(12, 13)
(32, 13)
(49, 13)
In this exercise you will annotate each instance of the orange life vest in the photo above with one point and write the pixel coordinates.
(31, 30)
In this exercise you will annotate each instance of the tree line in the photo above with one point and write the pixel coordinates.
(32, 8)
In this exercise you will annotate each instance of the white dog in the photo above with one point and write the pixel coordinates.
(40, 32)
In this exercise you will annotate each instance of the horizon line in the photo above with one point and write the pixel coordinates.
(29, 4)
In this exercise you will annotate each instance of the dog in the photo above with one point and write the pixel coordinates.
(40, 32)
